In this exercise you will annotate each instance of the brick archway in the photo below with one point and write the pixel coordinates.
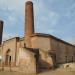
(8, 57)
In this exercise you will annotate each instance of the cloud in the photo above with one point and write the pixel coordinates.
(9, 35)
(12, 13)
(45, 19)
(11, 18)
(71, 40)
(50, 16)
(27, 0)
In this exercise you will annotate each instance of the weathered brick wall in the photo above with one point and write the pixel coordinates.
(45, 60)
(70, 53)
(27, 61)
(42, 43)
(12, 46)
(64, 52)
(20, 44)
(0, 55)
(73, 54)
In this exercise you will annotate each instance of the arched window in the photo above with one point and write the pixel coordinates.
(8, 57)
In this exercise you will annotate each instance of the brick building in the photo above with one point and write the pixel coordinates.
(35, 51)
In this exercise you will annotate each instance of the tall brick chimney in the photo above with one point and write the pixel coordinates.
(29, 22)
(1, 31)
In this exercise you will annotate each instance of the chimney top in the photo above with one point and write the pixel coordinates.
(1, 21)
(29, 2)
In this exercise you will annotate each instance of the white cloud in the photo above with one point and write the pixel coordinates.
(28, 0)
(5, 36)
(8, 36)
(45, 17)
(71, 40)
(11, 12)
(70, 11)
(11, 18)
(15, 8)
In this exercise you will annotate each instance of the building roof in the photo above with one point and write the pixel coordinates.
(43, 35)
(10, 39)
(1, 21)
(51, 36)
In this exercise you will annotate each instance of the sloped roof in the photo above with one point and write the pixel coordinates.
(51, 36)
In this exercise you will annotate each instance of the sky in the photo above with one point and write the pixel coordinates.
(55, 17)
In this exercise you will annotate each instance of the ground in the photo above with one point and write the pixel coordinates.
(55, 72)
(60, 71)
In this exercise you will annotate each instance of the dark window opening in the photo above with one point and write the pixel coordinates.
(66, 59)
(72, 58)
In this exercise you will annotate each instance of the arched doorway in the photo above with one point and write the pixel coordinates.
(8, 58)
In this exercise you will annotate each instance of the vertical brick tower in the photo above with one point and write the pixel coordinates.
(1, 31)
(29, 23)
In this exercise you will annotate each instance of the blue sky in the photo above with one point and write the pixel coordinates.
(56, 17)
